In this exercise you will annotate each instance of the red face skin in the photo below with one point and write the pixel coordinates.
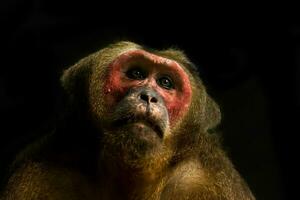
(176, 100)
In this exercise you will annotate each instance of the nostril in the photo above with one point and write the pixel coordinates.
(144, 97)
(153, 100)
(148, 99)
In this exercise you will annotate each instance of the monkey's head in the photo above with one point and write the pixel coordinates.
(143, 102)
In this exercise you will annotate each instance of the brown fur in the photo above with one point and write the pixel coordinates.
(74, 163)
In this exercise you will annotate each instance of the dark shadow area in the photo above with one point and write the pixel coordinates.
(251, 71)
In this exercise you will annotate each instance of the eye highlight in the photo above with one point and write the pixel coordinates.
(165, 82)
(136, 73)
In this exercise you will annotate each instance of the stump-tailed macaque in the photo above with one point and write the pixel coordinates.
(137, 126)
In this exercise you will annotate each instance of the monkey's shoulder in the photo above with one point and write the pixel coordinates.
(188, 180)
(188, 174)
(191, 180)
(35, 180)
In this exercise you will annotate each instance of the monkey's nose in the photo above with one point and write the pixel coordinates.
(148, 97)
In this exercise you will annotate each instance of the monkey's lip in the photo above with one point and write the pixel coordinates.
(143, 120)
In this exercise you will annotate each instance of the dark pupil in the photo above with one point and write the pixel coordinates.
(165, 82)
(136, 73)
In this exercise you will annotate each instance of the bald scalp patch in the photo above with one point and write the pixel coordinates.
(116, 86)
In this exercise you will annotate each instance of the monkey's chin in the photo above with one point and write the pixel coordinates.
(144, 131)
(135, 146)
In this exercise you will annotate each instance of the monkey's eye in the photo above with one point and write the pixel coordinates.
(136, 73)
(165, 82)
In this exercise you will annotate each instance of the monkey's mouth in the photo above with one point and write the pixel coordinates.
(155, 126)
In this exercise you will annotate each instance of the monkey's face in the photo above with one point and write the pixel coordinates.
(146, 88)
(145, 95)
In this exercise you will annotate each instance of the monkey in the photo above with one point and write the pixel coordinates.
(138, 124)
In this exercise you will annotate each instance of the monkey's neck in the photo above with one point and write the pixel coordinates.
(129, 183)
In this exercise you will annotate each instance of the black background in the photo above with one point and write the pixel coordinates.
(251, 68)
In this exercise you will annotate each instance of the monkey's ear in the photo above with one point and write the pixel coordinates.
(75, 80)
(212, 114)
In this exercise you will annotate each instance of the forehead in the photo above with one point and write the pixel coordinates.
(145, 57)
